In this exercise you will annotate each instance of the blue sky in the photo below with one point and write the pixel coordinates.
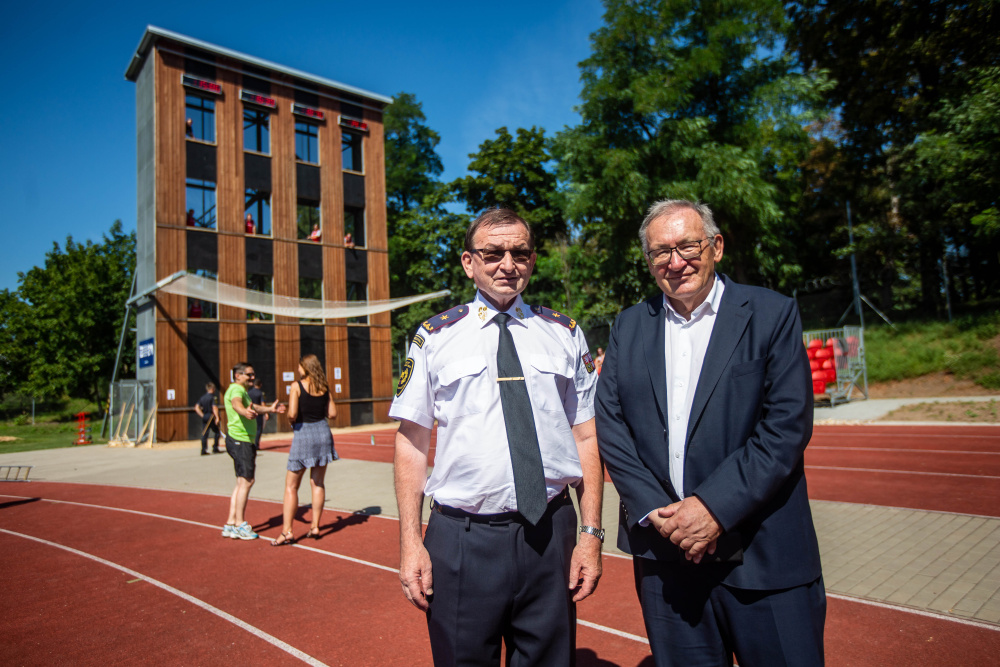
(67, 125)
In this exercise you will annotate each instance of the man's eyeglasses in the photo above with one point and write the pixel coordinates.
(496, 255)
(688, 250)
(250, 375)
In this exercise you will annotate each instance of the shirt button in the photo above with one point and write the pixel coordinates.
(677, 455)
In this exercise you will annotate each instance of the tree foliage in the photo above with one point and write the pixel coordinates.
(689, 99)
(425, 239)
(901, 69)
(61, 326)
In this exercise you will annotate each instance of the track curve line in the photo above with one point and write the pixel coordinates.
(263, 635)
(201, 604)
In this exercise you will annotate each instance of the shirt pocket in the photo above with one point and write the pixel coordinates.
(550, 380)
(463, 387)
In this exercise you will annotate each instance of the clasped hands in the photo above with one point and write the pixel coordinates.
(689, 525)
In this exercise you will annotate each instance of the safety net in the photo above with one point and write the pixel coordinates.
(206, 289)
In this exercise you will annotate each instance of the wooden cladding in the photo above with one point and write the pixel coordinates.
(275, 345)
(171, 152)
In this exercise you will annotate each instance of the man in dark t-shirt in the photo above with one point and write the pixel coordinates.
(256, 393)
(207, 409)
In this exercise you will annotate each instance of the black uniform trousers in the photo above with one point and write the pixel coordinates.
(692, 620)
(204, 434)
(502, 580)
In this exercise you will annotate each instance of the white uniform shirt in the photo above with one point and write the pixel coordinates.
(686, 342)
(453, 380)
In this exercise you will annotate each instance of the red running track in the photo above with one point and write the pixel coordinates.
(169, 589)
(949, 469)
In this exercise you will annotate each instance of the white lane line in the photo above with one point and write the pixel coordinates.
(333, 554)
(903, 472)
(257, 632)
(917, 612)
(890, 449)
(205, 525)
(908, 436)
(612, 631)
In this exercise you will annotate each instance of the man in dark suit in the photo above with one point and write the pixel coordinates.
(704, 410)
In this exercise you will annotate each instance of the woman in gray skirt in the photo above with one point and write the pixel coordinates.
(310, 404)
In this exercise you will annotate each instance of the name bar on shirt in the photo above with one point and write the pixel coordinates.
(508, 379)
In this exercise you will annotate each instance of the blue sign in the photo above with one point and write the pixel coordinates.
(146, 353)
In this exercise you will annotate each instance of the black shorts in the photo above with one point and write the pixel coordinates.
(244, 457)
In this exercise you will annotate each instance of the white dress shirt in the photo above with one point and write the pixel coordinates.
(685, 344)
(454, 380)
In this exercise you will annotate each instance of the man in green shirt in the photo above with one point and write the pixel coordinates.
(241, 415)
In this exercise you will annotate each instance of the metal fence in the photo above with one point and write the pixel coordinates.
(843, 351)
(132, 412)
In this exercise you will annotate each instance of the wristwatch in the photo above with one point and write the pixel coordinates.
(596, 532)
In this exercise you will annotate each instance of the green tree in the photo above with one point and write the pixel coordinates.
(412, 164)
(689, 99)
(15, 344)
(896, 66)
(425, 239)
(516, 172)
(71, 315)
(951, 175)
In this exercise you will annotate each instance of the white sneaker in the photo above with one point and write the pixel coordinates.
(229, 530)
(244, 532)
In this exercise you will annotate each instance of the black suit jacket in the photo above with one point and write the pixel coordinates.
(750, 422)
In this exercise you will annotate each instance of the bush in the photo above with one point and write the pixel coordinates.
(968, 348)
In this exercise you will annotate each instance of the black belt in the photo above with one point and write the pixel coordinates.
(500, 518)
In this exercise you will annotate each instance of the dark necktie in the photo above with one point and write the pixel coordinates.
(526, 459)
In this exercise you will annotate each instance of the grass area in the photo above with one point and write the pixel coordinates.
(969, 348)
(43, 435)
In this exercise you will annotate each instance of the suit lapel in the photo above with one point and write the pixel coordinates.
(730, 323)
(654, 349)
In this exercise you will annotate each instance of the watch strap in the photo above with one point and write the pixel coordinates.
(596, 532)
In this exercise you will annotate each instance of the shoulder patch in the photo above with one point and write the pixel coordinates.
(404, 376)
(554, 316)
(418, 340)
(444, 319)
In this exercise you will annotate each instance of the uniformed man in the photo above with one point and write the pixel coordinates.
(511, 388)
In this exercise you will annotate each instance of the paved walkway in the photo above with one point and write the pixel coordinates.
(933, 561)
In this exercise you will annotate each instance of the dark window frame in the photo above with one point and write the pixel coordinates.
(200, 221)
(255, 203)
(310, 133)
(197, 112)
(203, 307)
(258, 124)
(355, 143)
(318, 282)
(314, 215)
(352, 289)
(259, 282)
(354, 212)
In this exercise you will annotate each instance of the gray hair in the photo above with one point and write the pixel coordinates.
(667, 206)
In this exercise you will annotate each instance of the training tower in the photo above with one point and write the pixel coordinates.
(222, 135)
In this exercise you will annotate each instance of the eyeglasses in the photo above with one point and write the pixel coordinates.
(688, 250)
(496, 255)
(249, 375)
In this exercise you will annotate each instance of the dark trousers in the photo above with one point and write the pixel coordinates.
(694, 621)
(204, 436)
(260, 430)
(502, 582)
